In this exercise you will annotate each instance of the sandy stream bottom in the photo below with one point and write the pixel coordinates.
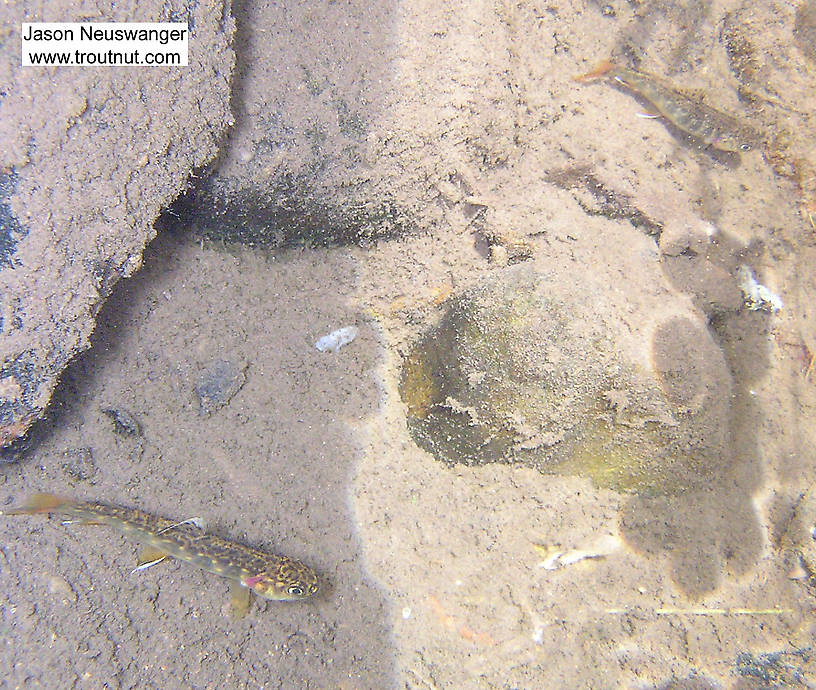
(433, 577)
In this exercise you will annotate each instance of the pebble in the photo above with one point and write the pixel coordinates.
(124, 423)
(218, 384)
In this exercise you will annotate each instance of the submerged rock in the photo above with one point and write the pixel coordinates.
(218, 384)
(804, 29)
(527, 369)
(87, 162)
(79, 465)
(124, 422)
(798, 539)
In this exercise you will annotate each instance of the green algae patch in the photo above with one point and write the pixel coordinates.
(647, 462)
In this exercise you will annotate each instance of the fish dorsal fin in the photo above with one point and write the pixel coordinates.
(239, 599)
(148, 556)
(695, 94)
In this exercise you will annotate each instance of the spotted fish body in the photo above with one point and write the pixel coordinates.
(268, 575)
(702, 122)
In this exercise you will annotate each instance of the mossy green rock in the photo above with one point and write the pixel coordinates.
(525, 370)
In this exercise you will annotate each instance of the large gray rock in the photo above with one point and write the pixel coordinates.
(89, 157)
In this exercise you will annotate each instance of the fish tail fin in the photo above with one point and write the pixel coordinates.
(602, 68)
(39, 503)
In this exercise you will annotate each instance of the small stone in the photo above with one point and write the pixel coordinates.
(59, 586)
(124, 423)
(218, 384)
(79, 464)
(499, 255)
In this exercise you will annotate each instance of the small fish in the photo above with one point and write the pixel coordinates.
(268, 575)
(704, 123)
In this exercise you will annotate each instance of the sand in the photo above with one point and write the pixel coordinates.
(439, 576)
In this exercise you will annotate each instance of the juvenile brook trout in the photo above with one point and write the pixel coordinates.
(702, 122)
(251, 570)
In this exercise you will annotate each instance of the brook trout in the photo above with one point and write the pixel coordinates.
(704, 123)
(251, 570)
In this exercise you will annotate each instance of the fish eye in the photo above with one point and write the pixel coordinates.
(745, 147)
(295, 590)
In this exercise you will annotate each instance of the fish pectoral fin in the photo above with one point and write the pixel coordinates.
(603, 68)
(148, 556)
(239, 599)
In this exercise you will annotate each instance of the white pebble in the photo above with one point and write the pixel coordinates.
(336, 339)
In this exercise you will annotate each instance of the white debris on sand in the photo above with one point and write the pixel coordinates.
(333, 341)
(599, 547)
(757, 296)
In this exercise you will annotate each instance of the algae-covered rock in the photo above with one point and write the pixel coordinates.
(522, 370)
